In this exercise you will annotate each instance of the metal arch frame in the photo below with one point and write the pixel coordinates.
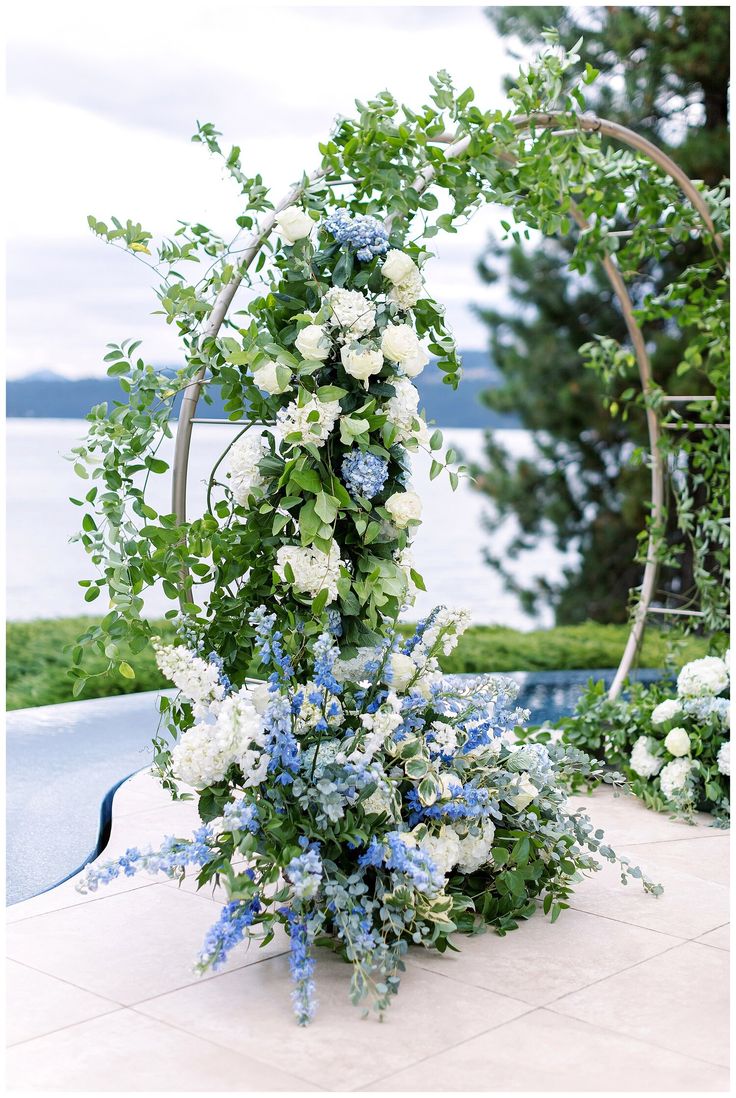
(456, 147)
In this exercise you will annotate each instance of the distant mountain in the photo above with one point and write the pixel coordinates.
(45, 395)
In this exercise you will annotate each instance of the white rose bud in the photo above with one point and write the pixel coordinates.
(361, 362)
(294, 224)
(313, 343)
(404, 507)
(525, 796)
(266, 378)
(677, 742)
(399, 343)
(398, 266)
(403, 670)
(414, 366)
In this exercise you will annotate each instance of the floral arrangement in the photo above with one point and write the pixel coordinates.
(355, 798)
(675, 750)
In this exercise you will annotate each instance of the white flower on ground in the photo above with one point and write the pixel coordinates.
(643, 760)
(293, 224)
(398, 266)
(665, 711)
(404, 507)
(674, 776)
(361, 362)
(267, 377)
(243, 460)
(313, 343)
(351, 311)
(527, 791)
(444, 849)
(399, 343)
(205, 752)
(406, 293)
(724, 758)
(708, 675)
(312, 422)
(198, 679)
(313, 570)
(677, 742)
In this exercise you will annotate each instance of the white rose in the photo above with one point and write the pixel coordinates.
(403, 670)
(294, 224)
(398, 266)
(708, 675)
(665, 711)
(643, 760)
(525, 796)
(724, 758)
(266, 378)
(313, 343)
(399, 343)
(404, 507)
(677, 742)
(361, 362)
(674, 777)
(414, 366)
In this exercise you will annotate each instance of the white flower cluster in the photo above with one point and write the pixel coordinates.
(448, 624)
(708, 675)
(644, 761)
(361, 362)
(674, 777)
(458, 847)
(407, 285)
(400, 345)
(197, 679)
(313, 570)
(351, 311)
(665, 711)
(444, 740)
(404, 507)
(311, 712)
(312, 422)
(724, 758)
(378, 727)
(243, 461)
(402, 411)
(205, 752)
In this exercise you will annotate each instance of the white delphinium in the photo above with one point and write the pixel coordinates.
(361, 362)
(313, 570)
(449, 624)
(351, 311)
(243, 461)
(312, 421)
(674, 776)
(444, 739)
(644, 761)
(378, 726)
(724, 758)
(708, 675)
(665, 711)
(402, 410)
(198, 679)
(293, 224)
(205, 752)
(404, 507)
(475, 849)
(677, 742)
(313, 343)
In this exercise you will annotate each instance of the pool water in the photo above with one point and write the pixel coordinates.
(64, 763)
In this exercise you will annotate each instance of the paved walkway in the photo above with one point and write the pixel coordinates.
(623, 993)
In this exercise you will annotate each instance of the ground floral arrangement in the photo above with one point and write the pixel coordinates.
(670, 738)
(356, 798)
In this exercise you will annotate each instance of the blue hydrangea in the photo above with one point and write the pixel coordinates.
(364, 474)
(361, 232)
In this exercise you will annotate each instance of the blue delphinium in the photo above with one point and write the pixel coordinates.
(301, 965)
(172, 858)
(219, 663)
(410, 861)
(227, 932)
(326, 653)
(270, 647)
(361, 232)
(240, 816)
(304, 872)
(364, 474)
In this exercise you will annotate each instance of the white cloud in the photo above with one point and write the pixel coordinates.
(104, 97)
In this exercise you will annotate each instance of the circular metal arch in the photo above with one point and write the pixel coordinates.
(456, 148)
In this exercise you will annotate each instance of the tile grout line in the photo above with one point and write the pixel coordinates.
(69, 1025)
(79, 903)
(206, 980)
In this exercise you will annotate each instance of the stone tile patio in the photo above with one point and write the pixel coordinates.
(623, 993)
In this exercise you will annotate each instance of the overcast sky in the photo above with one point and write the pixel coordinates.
(103, 100)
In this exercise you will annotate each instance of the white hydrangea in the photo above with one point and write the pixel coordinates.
(351, 311)
(402, 410)
(313, 570)
(198, 679)
(205, 752)
(475, 849)
(243, 461)
(406, 293)
(380, 800)
(444, 849)
(353, 669)
(674, 777)
(378, 727)
(643, 760)
(312, 422)
(327, 751)
(708, 675)
(665, 711)
(677, 742)
(444, 740)
(724, 758)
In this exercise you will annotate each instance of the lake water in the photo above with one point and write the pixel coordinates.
(43, 567)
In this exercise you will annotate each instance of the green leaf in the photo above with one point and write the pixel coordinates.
(126, 670)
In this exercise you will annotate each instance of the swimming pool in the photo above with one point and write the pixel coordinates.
(64, 763)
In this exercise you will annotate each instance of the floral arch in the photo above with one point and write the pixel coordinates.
(377, 804)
